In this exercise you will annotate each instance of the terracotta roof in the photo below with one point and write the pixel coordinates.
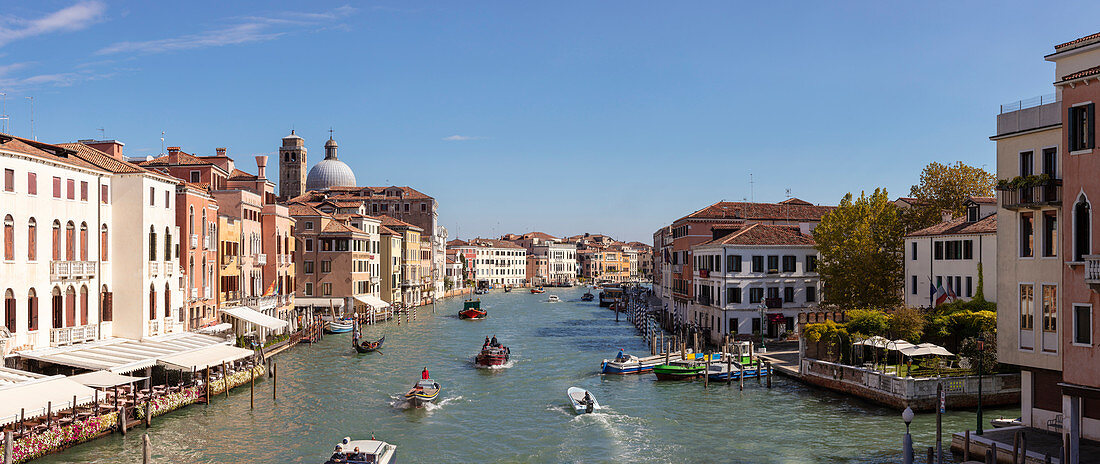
(1083, 73)
(103, 160)
(488, 242)
(540, 236)
(794, 210)
(795, 201)
(238, 174)
(984, 200)
(456, 242)
(55, 153)
(394, 222)
(1077, 42)
(959, 226)
(387, 231)
(302, 209)
(183, 159)
(337, 226)
(765, 234)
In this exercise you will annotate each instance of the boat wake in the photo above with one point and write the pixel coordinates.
(506, 365)
(399, 402)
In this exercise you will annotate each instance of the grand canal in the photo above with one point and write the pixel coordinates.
(517, 414)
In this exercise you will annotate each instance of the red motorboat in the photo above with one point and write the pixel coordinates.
(538, 290)
(492, 355)
(471, 309)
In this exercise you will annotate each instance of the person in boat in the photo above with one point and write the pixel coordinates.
(356, 455)
(494, 343)
(621, 356)
(587, 398)
(338, 455)
(486, 342)
(424, 374)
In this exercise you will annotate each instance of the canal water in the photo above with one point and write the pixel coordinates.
(519, 413)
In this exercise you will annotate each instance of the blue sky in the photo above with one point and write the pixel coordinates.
(564, 117)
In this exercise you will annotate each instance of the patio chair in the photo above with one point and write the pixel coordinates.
(1055, 424)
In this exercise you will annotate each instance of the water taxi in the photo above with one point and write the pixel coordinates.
(538, 290)
(610, 296)
(582, 400)
(471, 309)
(339, 326)
(370, 451)
(425, 391)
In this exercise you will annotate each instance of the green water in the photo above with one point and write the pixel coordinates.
(520, 413)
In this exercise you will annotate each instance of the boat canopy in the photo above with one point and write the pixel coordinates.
(33, 397)
(248, 314)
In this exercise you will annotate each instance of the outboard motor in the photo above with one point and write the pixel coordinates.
(588, 407)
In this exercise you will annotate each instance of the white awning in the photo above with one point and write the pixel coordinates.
(121, 355)
(205, 357)
(33, 397)
(372, 301)
(222, 327)
(9, 376)
(319, 302)
(247, 314)
(105, 379)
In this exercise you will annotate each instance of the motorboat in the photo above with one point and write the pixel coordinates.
(723, 370)
(1002, 422)
(583, 401)
(471, 309)
(538, 290)
(630, 364)
(588, 296)
(492, 355)
(481, 291)
(339, 326)
(552, 299)
(370, 451)
(507, 289)
(610, 296)
(423, 392)
(685, 369)
(367, 347)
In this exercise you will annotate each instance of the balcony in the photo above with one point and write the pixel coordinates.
(208, 293)
(60, 270)
(168, 268)
(194, 241)
(70, 335)
(154, 268)
(261, 303)
(1030, 192)
(228, 259)
(154, 327)
(1092, 272)
(194, 293)
(260, 259)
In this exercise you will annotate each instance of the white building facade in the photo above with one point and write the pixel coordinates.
(561, 261)
(952, 254)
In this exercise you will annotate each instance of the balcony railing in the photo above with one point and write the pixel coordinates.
(227, 259)
(1092, 271)
(194, 241)
(261, 302)
(69, 335)
(72, 270)
(154, 327)
(1045, 193)
(208, 293)
(154, 268)
(168, 268)
(261, 258)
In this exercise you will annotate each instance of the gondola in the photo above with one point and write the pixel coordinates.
(367, 347)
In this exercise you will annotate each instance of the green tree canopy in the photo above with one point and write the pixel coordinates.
(905, 323)
(944, 187)
(866, 322)
(861, 248)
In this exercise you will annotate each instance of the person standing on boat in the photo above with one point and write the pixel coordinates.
(424, 374)
(486, 342)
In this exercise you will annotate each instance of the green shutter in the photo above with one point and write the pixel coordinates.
(1071, 134)
(1091, 128)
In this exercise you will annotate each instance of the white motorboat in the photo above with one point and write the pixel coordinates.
(1006, 422)
(370, 451)
(553, 299)
(583, 401)
(630, 364)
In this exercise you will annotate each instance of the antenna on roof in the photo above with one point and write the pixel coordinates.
(102, 133)
(162, 142)
(752, 196)
(32, 119)
(4, 114)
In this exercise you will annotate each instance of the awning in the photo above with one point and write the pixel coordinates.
(319, 302)
(247, 314)
(926, 349)
(876, 341)
(121, 355)
(372, 301)
(33, 396)
(205, 357)
(9, 376)
(105, 379)
(223, 327)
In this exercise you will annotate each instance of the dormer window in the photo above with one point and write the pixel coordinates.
(972, 213)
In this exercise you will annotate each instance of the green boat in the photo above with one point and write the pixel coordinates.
(680, 370)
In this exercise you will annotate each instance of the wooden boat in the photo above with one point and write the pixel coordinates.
(367, 347)
(580, 404)
(630, 364)
(538, 290)
(553, 299)
(339, 326)
(471, 309)
(680, 370)
(492, 356)
(588, 296)
(507, 289)
(610, 296)
(423, 392)
(370, 451)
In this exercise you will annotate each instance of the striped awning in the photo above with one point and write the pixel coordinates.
(34, 398)
(121, 355)
(9, 376)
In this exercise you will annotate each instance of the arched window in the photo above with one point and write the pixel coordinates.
(56, 240)
(204, 282)
(70, 241)
(9, 310)
(167, 244)
(191, 220)
(105, 301)
(1082, 229)
(103, 242)
(83, 241)
(190, 273)
(32, 310)
(204, 244)
(152, 244)
(32, 240)
(167, 301)
(83, 305)
(152, 302)
(56, 306)
(70, 306)
(9, 238)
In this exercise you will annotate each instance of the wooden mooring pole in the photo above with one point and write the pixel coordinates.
(148, 414)
(252, 389)
(966, 446)
(767, 364)
(9, 449)
(146, 449)
(706, 371)
(225, 380)
(122, 420)
(274, 379)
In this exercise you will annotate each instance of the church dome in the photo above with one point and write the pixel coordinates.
(330, 172)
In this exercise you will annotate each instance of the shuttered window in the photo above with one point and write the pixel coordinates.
(32, 183)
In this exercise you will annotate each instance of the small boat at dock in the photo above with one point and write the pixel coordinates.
(1002, 422)
(583, 401)
(423, 392)
(588, 296)
(722, 370)
(370, 451)
(471, 309)
(684, 369)
(339, 326)
(630, 364)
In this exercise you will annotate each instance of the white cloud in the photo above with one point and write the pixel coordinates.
(248, 29)
(76, 17)
(461, 138)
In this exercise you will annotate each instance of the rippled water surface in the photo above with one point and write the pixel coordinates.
(519, 413)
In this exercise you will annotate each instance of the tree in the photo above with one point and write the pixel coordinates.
(861, 248)
(866, 322)
(830, 333)
(905, 323)
(448, 284)
(945, 187)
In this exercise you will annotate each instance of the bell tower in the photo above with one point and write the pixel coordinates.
(292, 166)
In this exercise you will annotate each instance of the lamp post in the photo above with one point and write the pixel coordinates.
(981, 350)
(907, 444)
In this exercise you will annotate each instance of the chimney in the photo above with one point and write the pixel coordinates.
(261, 164)
(110, 147)
(173, 155)
(221, 151)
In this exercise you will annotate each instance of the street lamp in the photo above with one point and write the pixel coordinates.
(907, 444)
(981, 350)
